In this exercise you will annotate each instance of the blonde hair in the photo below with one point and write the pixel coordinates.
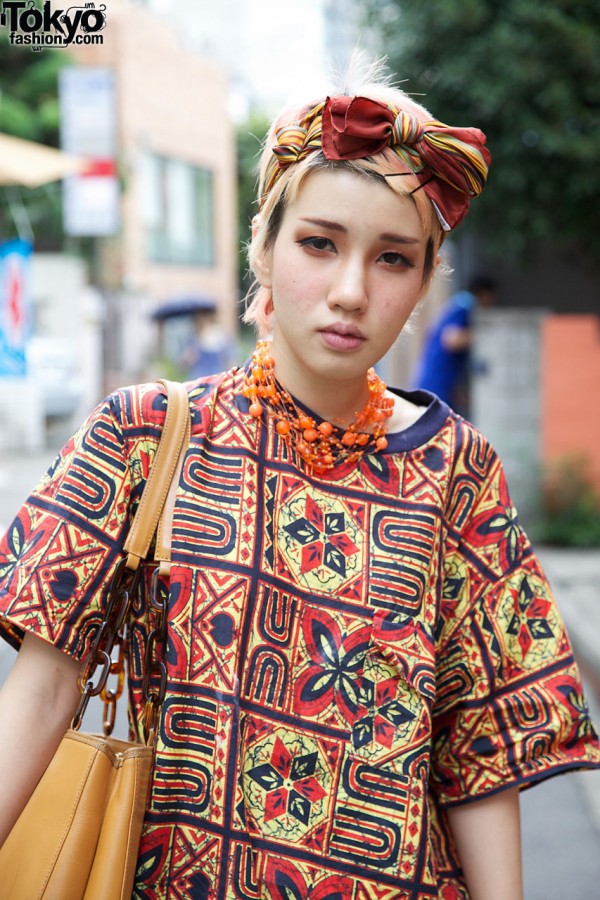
(285, 190)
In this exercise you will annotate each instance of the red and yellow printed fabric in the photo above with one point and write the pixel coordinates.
(349, 654)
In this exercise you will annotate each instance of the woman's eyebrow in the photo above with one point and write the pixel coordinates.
(336, 226)
(399, 238)
(324, 223)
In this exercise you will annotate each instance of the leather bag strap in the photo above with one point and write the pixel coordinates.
(155, 511)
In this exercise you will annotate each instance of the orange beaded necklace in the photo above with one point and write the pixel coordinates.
(321, 445)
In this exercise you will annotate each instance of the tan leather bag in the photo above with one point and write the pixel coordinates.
(78, 837)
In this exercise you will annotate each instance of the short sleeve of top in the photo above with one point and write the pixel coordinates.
(58, 554)
(509, 707)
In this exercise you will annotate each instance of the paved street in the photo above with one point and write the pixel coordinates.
(561, 817)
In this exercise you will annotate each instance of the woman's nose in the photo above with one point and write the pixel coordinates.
(348, 289)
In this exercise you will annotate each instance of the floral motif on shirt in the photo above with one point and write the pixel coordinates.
(497, 526)
(320, 540)
(531, 631)
(285, 779)
(323, 538)
(290, 783)
(292, 881)
(333, 676)
(529, 622)
(380, 714)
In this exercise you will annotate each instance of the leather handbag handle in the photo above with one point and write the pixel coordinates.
(162, 550)
(155, 511)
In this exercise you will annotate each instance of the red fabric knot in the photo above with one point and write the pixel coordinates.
(355, 127)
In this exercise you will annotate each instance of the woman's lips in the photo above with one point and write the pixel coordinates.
(338, 340)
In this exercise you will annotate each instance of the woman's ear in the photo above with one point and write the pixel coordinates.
(262, 268)
(261, 261)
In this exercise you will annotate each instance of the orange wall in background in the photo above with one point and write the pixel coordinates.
(571, 389)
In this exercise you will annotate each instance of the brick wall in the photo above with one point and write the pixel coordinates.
(570, 393)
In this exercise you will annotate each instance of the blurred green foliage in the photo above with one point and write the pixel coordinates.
(250, 136)
(29, 109)
(570, 505)
(528, 74)
(29, 91)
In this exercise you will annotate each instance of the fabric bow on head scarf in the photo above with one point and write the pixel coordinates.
(451, 164)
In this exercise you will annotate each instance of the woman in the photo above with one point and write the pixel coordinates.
(365, 661)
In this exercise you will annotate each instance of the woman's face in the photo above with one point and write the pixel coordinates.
(345, 272)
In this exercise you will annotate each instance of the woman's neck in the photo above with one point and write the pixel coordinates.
(333, 400)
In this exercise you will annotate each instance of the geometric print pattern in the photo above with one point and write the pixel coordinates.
(348, 655)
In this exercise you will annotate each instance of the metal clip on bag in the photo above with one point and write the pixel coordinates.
(78, 837)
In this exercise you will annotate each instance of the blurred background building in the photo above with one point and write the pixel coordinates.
(152, 217)
(176, 163)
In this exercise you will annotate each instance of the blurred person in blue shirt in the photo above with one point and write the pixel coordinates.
(444, 364)
(211, 349)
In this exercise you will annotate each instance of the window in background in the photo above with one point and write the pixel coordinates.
(177, 211)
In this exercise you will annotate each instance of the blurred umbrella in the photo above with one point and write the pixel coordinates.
(28, 164)
(183, 306)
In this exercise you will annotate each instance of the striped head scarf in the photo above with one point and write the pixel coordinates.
(450, 164)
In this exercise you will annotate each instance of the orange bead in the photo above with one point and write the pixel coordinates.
(328, 459)
(326, 428)
(304, 422)
(268, 362)
(348, 438)
(310, 435)
(381, 443)
(257, 373)
(282, 427)
(363, 439)
(255, 410)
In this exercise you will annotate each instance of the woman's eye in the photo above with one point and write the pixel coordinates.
(317, 243)
(396, 259)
